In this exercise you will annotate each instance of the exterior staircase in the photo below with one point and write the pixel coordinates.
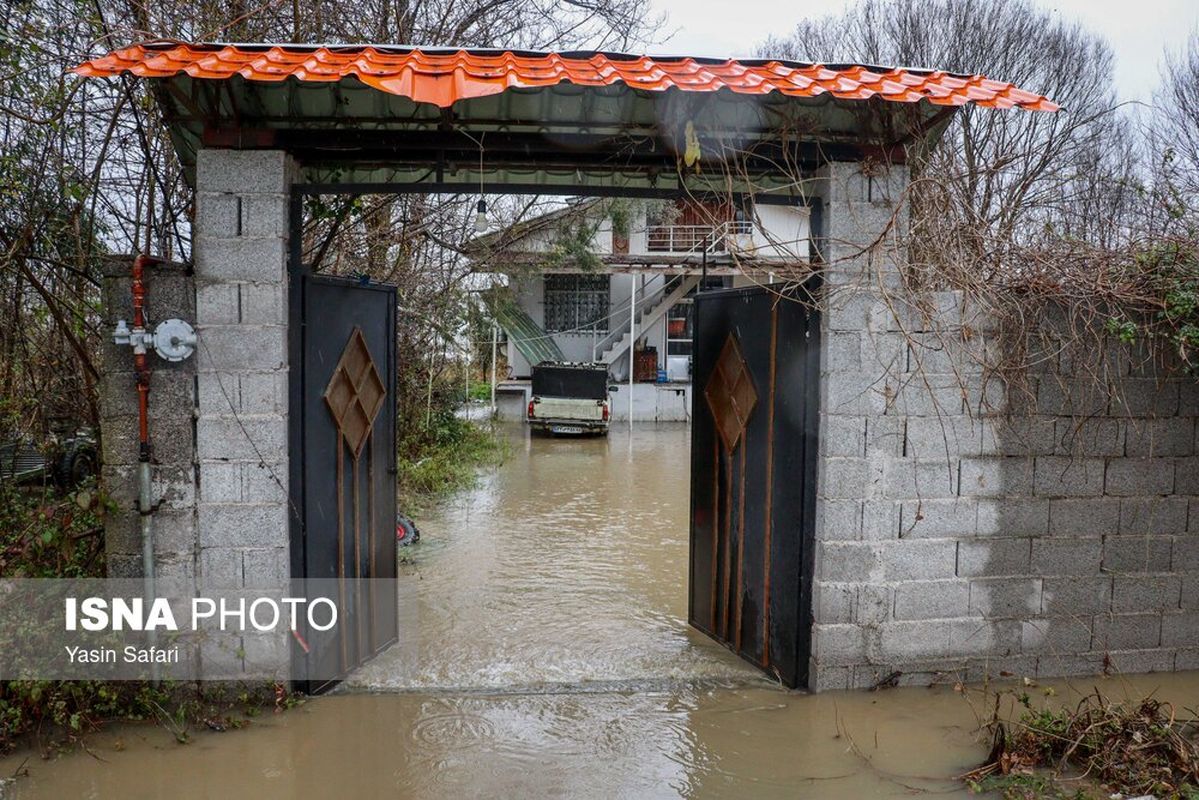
(646, 317)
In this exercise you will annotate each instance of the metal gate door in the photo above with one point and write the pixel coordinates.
(753, 456)
(344, 481)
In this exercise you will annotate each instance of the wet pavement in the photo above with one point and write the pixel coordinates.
(545, 653)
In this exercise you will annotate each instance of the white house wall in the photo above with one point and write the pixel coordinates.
(779, 231)
(782, 232)
(647, 285)
(638, 240)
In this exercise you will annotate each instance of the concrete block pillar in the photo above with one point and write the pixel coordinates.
(218, 421)
(241, 251)
(864, 219)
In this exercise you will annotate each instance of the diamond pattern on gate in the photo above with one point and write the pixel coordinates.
(730, 393)
(355, 393)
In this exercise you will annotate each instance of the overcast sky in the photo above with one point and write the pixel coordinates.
(1137, 29)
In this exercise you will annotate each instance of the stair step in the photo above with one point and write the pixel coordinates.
(618, 347)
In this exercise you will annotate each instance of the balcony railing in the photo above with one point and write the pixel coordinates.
(693, 238)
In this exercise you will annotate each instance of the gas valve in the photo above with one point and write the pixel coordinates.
(174, 340)
(139, 339)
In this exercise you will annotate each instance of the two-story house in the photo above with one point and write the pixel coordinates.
(613, 282)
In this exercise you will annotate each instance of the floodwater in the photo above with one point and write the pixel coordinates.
(567, 566)
(545, 653)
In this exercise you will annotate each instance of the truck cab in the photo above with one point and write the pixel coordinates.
(569, 398)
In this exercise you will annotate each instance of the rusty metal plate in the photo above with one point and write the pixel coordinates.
(355, 393)
(730, 394)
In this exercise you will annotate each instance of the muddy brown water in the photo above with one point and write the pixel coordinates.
(545, 653)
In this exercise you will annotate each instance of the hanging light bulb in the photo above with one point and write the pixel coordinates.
(481, 216)
(481, 209)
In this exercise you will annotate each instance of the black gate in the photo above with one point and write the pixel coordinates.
(753, 475)
(343, 453)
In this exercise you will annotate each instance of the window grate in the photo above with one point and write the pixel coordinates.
(577, 303)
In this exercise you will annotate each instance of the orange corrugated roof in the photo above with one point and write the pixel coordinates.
(445, 76)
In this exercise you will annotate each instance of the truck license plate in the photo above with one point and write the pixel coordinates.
(565, 429)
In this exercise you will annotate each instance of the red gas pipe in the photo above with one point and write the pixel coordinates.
(140, 365)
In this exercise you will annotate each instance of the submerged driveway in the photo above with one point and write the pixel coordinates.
(544, 653)
(565, 568)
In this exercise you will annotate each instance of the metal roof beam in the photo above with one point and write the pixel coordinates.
(770, 198)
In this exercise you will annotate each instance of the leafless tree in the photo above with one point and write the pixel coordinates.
(87, 170)
(1009, 174)
(1083, 217)
(1172, 133)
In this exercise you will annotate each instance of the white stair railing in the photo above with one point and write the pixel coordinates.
(648, 317)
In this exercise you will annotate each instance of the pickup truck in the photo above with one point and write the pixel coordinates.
(569, 398)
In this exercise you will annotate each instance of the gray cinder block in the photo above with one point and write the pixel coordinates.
(1135, 593)
(251, 438)
(953, 518)
(1126, 631)
(997, 477)
(243, 171)
(932, 600)
(994, 557)
(1076, 596)
(1058, 476)
(916, 559)
(1153, 515)
(1140, 476)
(243, 525)
(1061, 556)
(1137, 553)
(999, 598)
(1160, 437)
(1084, 517)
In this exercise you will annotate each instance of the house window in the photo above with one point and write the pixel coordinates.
(577, 303)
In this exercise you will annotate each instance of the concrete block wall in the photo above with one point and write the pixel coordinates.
(170, 292)
(967, 529)
(218, 421)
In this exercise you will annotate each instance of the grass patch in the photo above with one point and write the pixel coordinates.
(55, 715)
(444, 458)
(1098, 748)
(49, 533)
(1027, 787)
(479, 392)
